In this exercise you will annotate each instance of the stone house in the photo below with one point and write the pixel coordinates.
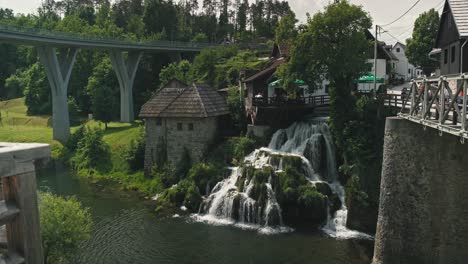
(181, 118)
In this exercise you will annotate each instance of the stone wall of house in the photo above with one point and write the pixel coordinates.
(170, 136)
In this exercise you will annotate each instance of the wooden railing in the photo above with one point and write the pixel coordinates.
(433, 103)
(316, 100)
(19, 212)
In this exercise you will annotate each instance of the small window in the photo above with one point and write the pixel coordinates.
(190, 126)
(158, 122)
(409, 71)
(398, 50)
(179, 126)
(454, 50)
(445, 56)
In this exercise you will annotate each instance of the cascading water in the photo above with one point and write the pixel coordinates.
(231, 201)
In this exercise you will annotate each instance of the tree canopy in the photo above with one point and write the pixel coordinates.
(423, 40)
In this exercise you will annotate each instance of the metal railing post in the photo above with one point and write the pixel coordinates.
(463, 117)
(414, 90)
(425, 91)
(442, 101)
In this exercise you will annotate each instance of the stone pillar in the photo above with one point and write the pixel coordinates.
(423, 208)
(126, 71)
(58, 68)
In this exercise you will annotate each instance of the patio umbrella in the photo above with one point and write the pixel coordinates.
(277, 83)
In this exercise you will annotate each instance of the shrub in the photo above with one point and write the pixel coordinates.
(64, 225)
(193, 198)
(202, 174)
(72, 142)
(92, 152)
(134, 155)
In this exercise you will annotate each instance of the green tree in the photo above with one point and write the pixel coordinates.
(242, 17)
(323, 50)
(102, 87)
(36, 90)
(200, 38)
(286, 30)
(64, 225)
(423, 41)
(181, 71)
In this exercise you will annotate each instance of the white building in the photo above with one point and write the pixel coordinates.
(402, 67)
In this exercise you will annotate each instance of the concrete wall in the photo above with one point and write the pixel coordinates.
(424, 199)
(168, 136)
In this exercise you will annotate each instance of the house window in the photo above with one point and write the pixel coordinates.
(179, 126)
(409, 71)
(158, 122)
(453, 54)
(190, 126)
(398, 50)
(445, 56)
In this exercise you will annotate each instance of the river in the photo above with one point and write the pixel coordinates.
(128, 231)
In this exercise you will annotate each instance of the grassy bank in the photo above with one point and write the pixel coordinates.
(17, 126)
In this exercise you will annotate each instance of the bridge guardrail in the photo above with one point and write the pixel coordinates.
(437, 102)
(16, 29)
(316, 100)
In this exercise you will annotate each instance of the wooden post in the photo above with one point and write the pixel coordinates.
(23, 232)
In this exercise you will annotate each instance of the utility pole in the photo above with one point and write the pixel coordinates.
(375, 57)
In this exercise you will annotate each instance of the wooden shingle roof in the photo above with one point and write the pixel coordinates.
(197, 100)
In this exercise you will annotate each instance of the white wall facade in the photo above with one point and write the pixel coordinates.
(402, 66)
(381, 68)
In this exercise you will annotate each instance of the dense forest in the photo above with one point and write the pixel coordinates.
(94, 84)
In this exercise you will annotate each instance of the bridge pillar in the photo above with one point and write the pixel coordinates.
(424, 198)
(126, 72)
(58, 68)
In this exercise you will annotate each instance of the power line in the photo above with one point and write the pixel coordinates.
(403, 14)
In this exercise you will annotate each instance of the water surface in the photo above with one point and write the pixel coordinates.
(127, 231)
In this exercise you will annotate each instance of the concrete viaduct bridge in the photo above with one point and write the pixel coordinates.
(423, 208)
(57, 53)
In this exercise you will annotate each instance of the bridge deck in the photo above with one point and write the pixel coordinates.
(16, 34)
(439, 102)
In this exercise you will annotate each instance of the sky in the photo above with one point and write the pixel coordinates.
(382, 12)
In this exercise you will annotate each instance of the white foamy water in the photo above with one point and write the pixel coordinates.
(230, 202)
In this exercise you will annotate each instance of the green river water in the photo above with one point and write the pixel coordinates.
(128, 231)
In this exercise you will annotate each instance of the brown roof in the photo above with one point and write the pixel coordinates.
(197, 100)
(269, 70)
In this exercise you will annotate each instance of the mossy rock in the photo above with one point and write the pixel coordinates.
(236, 206)
(275, 160)
(323, 188)
(334, 203)
(293, 162)
(193, 198)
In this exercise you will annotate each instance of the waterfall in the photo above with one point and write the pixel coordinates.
(231, 201)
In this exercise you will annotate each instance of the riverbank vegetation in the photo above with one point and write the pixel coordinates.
(65, 224)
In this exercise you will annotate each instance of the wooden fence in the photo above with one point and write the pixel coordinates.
(19, 208)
